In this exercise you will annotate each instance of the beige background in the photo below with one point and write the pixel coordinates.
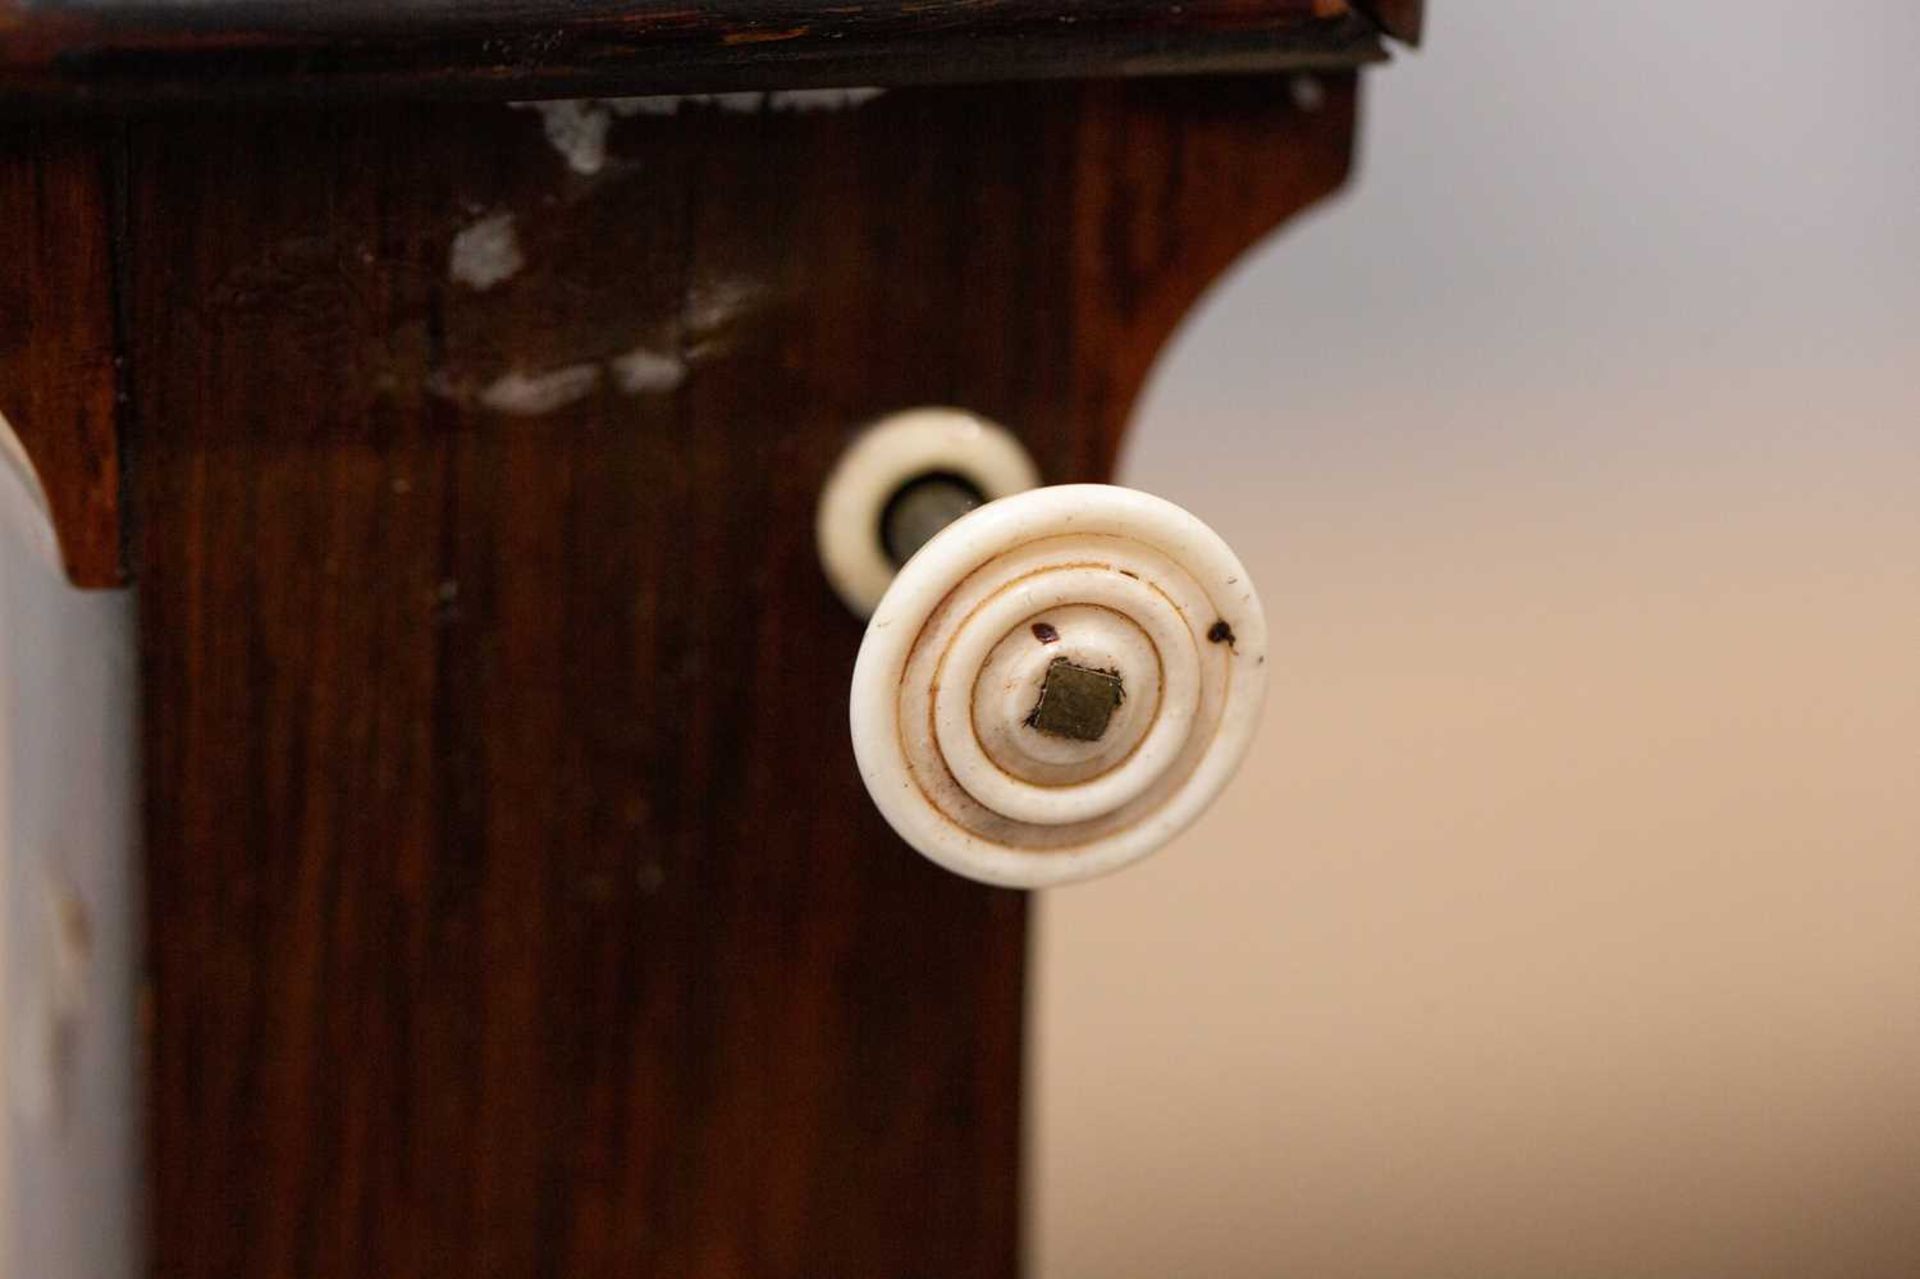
(1566, 918)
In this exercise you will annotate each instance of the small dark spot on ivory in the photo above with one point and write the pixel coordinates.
(1220, 633)
(1045, 633)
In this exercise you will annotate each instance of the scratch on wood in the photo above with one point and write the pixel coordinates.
(763, 37)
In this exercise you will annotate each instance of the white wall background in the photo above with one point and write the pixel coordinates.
(1566, 920)
(67, 908)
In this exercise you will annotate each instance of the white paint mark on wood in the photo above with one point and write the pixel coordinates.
(627, 108)
(577, 129)
(805, 101)
(735, 103)
(1308, 94)
(715, 305)
(674, 103)
(486, 253)
(787, 100)
(646, 372)
(532, 394)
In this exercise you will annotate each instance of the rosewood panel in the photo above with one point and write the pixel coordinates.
(515, 907)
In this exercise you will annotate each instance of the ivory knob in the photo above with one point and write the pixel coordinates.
(1058, 683)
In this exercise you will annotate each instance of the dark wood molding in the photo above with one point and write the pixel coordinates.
(515, 908)
(58, 378)
(1404, 20)
(79, 52)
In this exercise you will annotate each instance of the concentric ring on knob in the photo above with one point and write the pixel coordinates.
(1161, 661)
(1058, 683)
(888, 455)
(1015, 679)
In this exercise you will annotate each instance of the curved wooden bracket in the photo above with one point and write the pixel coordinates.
(57, 368)
(1176, 180)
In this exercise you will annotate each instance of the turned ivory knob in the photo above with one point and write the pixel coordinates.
(1057, 683)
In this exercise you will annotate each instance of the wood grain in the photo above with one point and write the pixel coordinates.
(81, 51)
(515, 907)
(57, 371)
